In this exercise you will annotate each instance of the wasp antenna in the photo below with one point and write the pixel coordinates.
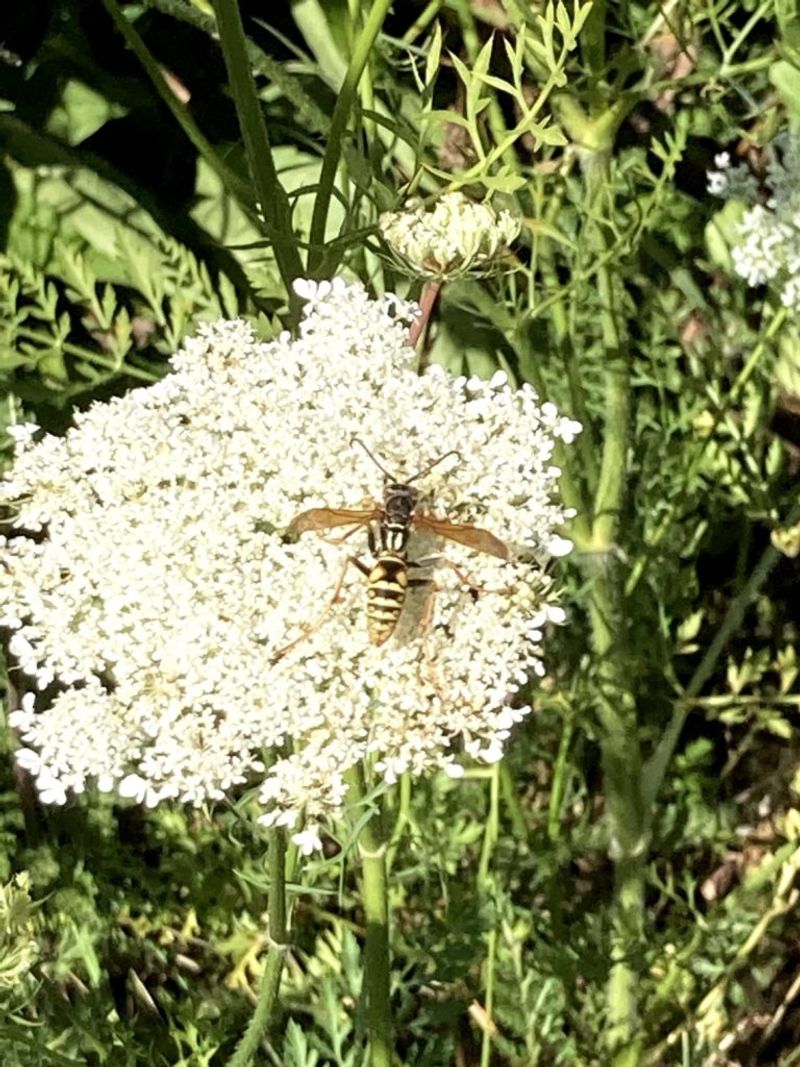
(375, 460)
(436, 462)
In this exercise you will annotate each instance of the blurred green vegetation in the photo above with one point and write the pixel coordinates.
(129, 213)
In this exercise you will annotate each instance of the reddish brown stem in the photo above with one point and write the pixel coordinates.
(419, 329)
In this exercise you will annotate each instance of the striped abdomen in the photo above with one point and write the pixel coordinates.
(386, 593)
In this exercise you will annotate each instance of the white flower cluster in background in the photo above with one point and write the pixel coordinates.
(455, 236)
(768, 246)
(148, 581)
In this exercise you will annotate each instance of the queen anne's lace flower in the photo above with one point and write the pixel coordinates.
(455, 236)
(768, 246)
(160, 584)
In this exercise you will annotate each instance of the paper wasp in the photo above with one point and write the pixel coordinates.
(389, 525)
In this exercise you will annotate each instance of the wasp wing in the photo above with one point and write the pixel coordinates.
(327, 518)
(471, 536)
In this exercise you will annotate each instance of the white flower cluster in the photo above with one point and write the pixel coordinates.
(458, 235)
(149, 583)
(768, 249)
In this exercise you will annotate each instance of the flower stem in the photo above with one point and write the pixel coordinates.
(374, 891)
(486, 887)
(281, 860)
(275, 208)
(421, 325)
(333, 148)
(616, 707)
(402, 819)
(180, 112)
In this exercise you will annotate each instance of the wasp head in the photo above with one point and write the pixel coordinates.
(399, 501)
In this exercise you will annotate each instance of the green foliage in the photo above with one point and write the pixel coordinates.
(130, 213)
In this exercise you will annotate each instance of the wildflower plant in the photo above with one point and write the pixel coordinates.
(457, 235)
(767, 246)
(175, 637)
(20, 949)
(151, 587)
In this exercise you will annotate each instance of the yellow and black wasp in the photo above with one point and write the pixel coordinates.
(389, 524)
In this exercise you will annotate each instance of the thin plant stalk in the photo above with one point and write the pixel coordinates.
(486, 885)
(402, 820)
(229, 177)
(418, 331)
(275, 207)
(282, 860)
(616, 709)
(341, 114)
(372, 847)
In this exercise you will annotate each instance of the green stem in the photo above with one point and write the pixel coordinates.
(374, 891)
(275, 208)
(511, 801)
(621, 757)
(656, 767)
(333, 148)
(491, 956)
(485, 884)
(366, 88)
(616, 708)
(492, 831)
(559, 783)
(614, 461)
(567, 350)
(305, 108)
(423, 20)
(230, 178)
(466, 16)
(281, 862)
(402, 819)
(592, 39)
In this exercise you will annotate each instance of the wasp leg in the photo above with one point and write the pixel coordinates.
(464, 578)
(323, 617)
(340, 540)
(424, 628)
(474, 587)
(427, 612)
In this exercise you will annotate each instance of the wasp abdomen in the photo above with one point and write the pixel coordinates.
(386, 593)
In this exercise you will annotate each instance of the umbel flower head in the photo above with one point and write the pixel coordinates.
(160, 586)
(456, 236)
(768, 249)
